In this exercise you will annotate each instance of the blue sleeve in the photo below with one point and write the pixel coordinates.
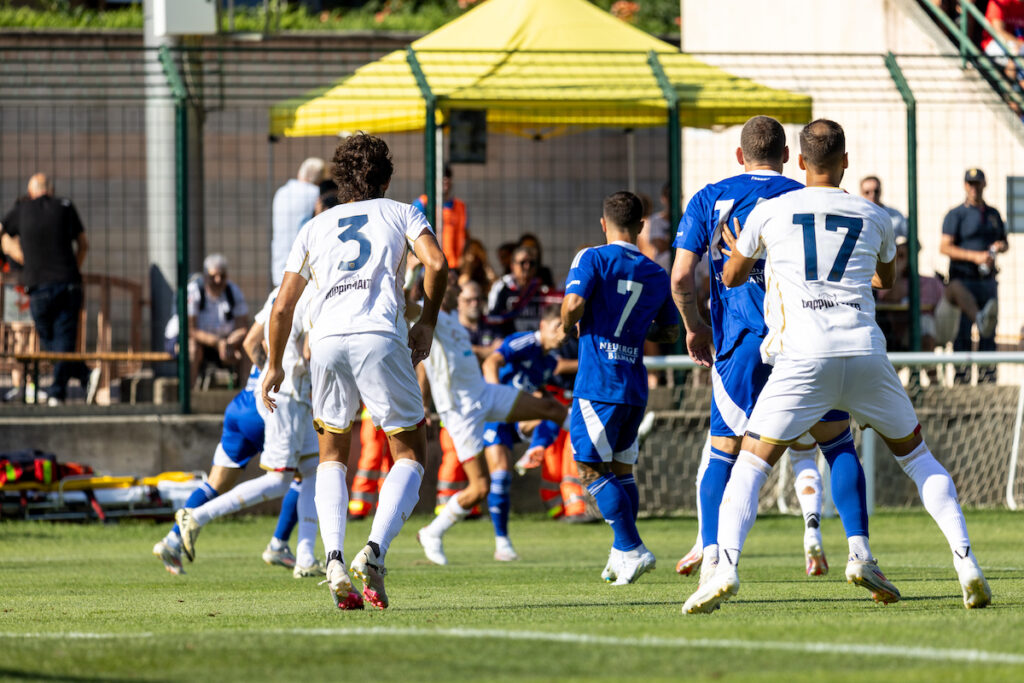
(692, 233)
(419, 205)
(505, 350)
(580, 280)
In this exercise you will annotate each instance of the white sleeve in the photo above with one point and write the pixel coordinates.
(415, 224)
(749, 243)
(887, 250)
(298, 257)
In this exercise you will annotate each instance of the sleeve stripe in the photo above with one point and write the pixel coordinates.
(576, 261)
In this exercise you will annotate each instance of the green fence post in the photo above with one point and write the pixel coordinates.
(429, 140)
(181, 224)
(915, 287)
(675, 138)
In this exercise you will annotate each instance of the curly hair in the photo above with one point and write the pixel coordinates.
(362, 168)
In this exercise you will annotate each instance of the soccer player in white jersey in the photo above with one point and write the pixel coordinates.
(360, 348)
(289, 444)
(465, 404)
(825, 249)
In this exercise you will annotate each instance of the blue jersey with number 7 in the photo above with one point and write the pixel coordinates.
(625, 293)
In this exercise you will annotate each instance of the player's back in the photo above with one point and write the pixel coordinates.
(823, 246)
(625, 293)
(451, 367)
(352, 255)
(737, 310)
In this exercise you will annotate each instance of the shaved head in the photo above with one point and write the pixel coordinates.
(763, 141)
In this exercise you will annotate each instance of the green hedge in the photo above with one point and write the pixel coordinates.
(659, 17)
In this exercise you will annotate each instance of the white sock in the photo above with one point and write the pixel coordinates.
(450, 515)
(705, 458)
(331, 504)
(398, 496)
(306, 509)
(860, 549)
(173, 540)
(276, 543)
(710, 555)
(806, 477)
(268, 487)
(938, 493)
(739, 504)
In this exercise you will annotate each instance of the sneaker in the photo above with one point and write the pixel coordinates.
(691, 561)
(710, 595)
(817, 565)
(282, 558)
(189, 531)
(866, 574)
(315, 569)
(433, 546)
(977, 594)
(171, 557)
(370, 570)
(92, 385)
(340, 585)
(632, 564)
(503, 550)
(611, 568)
(988, 317)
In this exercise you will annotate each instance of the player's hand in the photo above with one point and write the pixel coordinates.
(420, 338)
(730, 237)
(698, 345)
(272, 383)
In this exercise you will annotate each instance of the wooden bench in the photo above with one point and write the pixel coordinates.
(105, 358)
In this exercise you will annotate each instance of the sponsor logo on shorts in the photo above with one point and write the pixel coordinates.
(347, 287)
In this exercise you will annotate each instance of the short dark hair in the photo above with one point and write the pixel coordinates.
(763, 139)
(362, 168)
(625, 210)
(446, 171)
(329, 200)
(551, 312)
(822, 143)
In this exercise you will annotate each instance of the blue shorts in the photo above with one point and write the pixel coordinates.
(242, 436)
(736, 381)
(602, 432)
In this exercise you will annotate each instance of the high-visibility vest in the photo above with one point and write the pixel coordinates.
(374, 463)
(453, 232)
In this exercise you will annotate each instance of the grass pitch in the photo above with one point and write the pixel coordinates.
(89, 602)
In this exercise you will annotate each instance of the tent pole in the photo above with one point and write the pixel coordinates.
(439, 179)
(675, 138)
(430, 142)
(631, 158)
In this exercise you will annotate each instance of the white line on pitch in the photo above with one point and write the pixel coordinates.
(895, 651)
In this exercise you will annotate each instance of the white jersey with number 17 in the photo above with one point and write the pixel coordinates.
(822, 248)
(352, 255)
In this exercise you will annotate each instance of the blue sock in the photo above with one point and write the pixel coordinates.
(203, 493)
(848, 485)
(628, 483)
(499, 502)
(616, 510)
(712, 487)
(544, 434)
(289, 516)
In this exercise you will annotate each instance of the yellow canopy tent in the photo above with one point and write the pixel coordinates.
(538, 67)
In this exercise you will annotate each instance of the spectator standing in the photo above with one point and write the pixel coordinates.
(455, 231)
(218, 318)
(871, 190)
(16, 310)
(292, 206)
(972, 234)
(515, 301)
(53, 246)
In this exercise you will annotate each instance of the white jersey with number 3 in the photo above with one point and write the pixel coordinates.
(822, 248)
(352, 255)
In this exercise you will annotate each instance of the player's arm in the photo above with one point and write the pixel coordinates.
(253, 345)
(885, 275)
(684, 294)
(435, 281)
(573, 306)
(280, 325)
(491, 367)
(424, 382)
(567, 366)
(737, 269)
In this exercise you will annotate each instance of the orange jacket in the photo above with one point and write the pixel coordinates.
(453, 232)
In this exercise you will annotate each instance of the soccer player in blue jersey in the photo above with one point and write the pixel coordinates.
(737, 371)
(618, 298)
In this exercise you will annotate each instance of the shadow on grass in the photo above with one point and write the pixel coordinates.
(28, 675)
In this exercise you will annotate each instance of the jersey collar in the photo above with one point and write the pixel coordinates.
(762, 172)
(627, 245)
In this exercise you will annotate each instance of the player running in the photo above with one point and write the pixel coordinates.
(618, 297)
(289, 445)
(737, 373)
(360, 347)
(825, 249)
(470, 407)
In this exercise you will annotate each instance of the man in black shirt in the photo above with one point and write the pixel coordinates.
(53, 245)
(972, 234)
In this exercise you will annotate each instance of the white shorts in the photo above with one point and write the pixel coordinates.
(369, 368)
(466, 423)
(800, 391)
(288, 434)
